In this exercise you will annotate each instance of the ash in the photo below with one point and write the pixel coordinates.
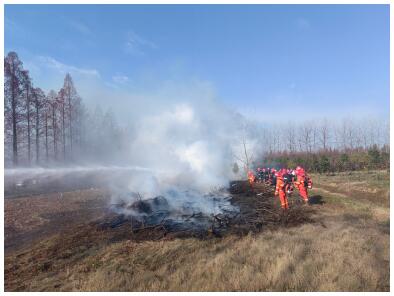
(176, 211)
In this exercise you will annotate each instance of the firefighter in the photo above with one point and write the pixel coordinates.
(260, 175)
(288, 179)
(281, 190)
(273, 177)
(251, 178)
(264, 174)
(302, 183)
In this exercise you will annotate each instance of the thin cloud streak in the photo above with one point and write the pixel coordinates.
(64, 68)
(137, 45)
(80, 27)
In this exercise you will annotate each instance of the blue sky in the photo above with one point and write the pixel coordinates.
(264, 60)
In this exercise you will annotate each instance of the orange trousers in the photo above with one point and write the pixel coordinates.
(303, 191)
(283, 199)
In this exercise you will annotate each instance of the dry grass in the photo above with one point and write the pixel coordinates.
(347, 249)
(34, 217)
(307, 259)
(368, 187)
(342, 254)
(310, 258)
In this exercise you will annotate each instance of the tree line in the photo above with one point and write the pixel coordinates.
(320, 145)
(56, 127)
(326, 146)
(333, 160)
(323, 135)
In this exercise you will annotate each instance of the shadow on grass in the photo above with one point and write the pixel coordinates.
(316, 200)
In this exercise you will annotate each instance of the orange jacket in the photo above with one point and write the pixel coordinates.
(301, 181)
(280, 184)
(251, 177)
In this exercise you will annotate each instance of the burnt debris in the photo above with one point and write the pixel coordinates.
(251, 210)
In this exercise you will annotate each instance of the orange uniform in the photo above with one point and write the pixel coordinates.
(281, 191)
(303, 183)
(251, 178)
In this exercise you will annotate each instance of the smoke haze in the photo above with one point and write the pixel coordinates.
(180, 148)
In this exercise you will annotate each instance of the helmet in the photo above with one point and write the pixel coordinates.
(298, 168)
(283, 171)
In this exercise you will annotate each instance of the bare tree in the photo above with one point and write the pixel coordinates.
(290, 134)
(53, 105)
(305, 137)
(324, 133)
(12, 91)
(242, 150)
(38, 102)
(70, 97)
(28, 98)
(47, 115)
(62, 107)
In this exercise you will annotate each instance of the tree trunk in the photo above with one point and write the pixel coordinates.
(46, 136)
(37, 133)
(70, 124)
(64, 132)
(28, 127)
(54, 132)
(14, 128)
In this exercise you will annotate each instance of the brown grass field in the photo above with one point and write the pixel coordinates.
(52, 243)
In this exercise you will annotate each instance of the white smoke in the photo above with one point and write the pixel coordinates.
(182, 148)
(187, 148)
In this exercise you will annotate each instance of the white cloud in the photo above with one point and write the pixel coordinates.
(137, 45)
(120, 79)
(52, 63)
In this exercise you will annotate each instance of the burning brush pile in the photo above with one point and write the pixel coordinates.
(176, 212)
(237, 210)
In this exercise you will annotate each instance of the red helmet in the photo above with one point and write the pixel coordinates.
(283, 171)
(298, 168)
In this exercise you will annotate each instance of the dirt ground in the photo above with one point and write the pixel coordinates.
(59, 242)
